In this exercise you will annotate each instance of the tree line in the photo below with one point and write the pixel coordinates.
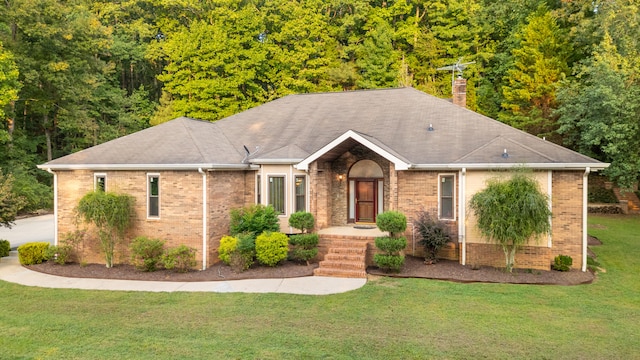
(78, 73)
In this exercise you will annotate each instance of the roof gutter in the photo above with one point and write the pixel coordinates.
(205, 250)
(231, 167)
(585, 209)
(486, 166)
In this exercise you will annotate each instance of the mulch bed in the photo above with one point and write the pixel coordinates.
(452, 271)
(414, 268)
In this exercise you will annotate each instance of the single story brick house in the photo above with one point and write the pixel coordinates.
(343, 156)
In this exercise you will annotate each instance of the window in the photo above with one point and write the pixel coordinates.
(301, 193)
(153, 191)
(100, 182)
(446, 198)
(276, 193)
(258, 190)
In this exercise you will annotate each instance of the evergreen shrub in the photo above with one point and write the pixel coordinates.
(562, 263)
(181, 259)
(33, 253)
(392, 221)
(146, 254)
(243, 256)
(254, 219)
(59, 254)
(304, 247)
(5, 248)
(302, 221)
(272, 248)
(227, 246)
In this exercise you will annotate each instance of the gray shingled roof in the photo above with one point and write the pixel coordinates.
(295, 127)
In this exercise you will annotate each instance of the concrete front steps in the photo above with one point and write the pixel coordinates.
(344, 258)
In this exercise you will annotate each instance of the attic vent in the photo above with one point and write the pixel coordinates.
(505, 154)
(430, 128)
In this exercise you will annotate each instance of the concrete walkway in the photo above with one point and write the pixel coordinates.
(11, 271)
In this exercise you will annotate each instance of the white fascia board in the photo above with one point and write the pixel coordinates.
(209, 167)
(537, 166)
(275, 161)
(399, 164)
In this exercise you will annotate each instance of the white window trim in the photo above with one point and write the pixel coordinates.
(306, 192)
(285, 192)
(95, 180)
(150, 175)
(454, 205)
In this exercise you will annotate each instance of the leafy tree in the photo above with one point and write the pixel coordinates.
(539, 64)
(599, 112)
(9, 87)
(111, 214)
(10, 203)
(511, 212)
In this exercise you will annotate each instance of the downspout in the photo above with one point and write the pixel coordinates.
(462, 219)
(585, 185)
(55, 206)
(204, 218)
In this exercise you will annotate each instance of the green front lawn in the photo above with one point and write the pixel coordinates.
(388, 318)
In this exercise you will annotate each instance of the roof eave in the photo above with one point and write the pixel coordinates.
(490, 166)
(156, 167)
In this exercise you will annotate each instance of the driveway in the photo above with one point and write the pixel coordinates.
(31, 229)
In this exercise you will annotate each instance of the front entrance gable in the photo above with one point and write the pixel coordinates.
(346, 141)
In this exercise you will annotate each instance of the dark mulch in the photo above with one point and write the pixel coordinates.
(218, 272)
(415, 267)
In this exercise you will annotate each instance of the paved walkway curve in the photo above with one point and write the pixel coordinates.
(11, 271)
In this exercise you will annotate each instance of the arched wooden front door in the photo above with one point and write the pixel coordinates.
(365, 191)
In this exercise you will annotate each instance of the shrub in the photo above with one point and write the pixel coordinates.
(75, 239)
(302, 221)
(562, 263)
(391, 245)
(392, 221)
(59, 254)
(389, 262)
(181, 258)
(5, 248)
(272, 248)
(242, 257)
(602, 195)
(227, 246)
(146, 253)
(305, 247)
(33, 253)
(433, 234)
(254, 219)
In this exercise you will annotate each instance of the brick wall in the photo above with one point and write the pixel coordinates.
(417, 191)
(180, 220)
(567, 216)
(227, 190)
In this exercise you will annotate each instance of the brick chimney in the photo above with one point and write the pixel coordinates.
(460, 92)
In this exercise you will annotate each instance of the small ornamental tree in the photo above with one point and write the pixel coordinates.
(395, 223)
(432, 234)
(111, 214)
(302, 221)
(511, 212)
(10, 202)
